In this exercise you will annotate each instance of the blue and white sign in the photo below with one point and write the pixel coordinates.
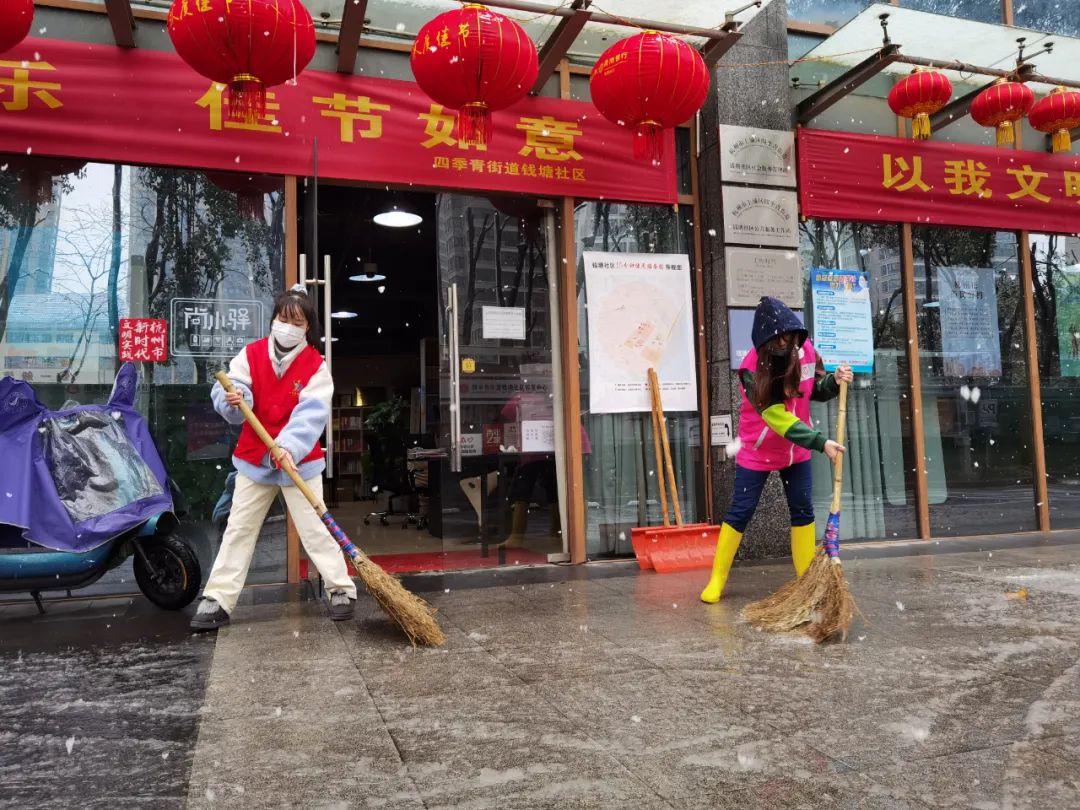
(843, 319)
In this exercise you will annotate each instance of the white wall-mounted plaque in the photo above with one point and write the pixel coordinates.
(762, 156)
(753, 272)
(755, 216)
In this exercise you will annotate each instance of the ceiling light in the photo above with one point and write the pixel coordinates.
(368, 277)
(343, 314)
(396, 218)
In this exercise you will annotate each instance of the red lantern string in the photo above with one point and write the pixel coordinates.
(16, 17)
(1001, 105)
(248, 47)
(649, 83)
(474, 61)
(1057, 115)
(919, 96)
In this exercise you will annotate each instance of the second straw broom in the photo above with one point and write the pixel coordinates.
(412, 614)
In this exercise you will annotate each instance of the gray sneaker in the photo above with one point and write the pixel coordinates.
(341, 606)
(209, 616)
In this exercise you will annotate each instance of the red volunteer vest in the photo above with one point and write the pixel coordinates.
(275, 398)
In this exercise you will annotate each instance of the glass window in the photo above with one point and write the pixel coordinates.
(621, 489)
(85, 245)
(982, 10)
(798, 45)
(879, 482)
(829, 12)
(1056, 277)
(1052, 16)
(976, 406)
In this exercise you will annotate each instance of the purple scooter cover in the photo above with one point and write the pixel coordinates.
(74, 479)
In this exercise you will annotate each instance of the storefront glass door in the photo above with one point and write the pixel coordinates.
(446, 421)
(494, 393)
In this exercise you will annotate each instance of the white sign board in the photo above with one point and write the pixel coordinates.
(503, 323)
(969, 322)
(640, 317)
(472, 444)
(720, 430)
(538, 436)
(752, 273)
(843, 319)
(212, 327)
(740, 325)
(767, 217)
(762, 156)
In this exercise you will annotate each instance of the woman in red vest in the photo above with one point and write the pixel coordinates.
(284, 380)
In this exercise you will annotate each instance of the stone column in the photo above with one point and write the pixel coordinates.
(753, 97)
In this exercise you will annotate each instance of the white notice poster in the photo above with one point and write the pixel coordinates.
(640, 317)
(503, 323)
(969, 322)
(538, 436)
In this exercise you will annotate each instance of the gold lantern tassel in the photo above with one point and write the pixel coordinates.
(1060, 140)
(920, 127)
(1006, 136)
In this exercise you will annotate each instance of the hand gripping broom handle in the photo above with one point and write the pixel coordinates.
(355, 554)
(832, 528)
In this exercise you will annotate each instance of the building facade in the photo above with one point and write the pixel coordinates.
(196, 245)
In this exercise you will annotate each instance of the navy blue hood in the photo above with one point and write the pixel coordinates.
(773, 318)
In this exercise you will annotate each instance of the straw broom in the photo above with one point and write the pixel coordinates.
(819, 602)
(411, 613)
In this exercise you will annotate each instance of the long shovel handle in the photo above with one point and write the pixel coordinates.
(655, 384)
(838, 465)
(659, 456)
(271, 445)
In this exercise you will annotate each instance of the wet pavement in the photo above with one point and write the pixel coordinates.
(595, 686)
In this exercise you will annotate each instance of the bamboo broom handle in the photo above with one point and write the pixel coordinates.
(268, 440)
(656, 450)
(838, 465)
(667, 447)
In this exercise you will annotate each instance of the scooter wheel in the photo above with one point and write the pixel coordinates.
(178, 572)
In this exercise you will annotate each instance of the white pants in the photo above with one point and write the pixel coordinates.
(249, 506)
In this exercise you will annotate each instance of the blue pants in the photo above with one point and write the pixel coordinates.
(749, 483)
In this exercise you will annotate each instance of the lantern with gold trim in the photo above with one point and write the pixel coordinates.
(16, 17)
(1001, 105)
(246, 46)
(1056, 115)
(649, 83)
(250, 191)
(474, 61)
(919, 96)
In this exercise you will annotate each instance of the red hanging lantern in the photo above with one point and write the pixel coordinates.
(474, 61)
(1056, 115)
(15, 19)
(651, 83)
(1001, 105)
(919, 96)
(37, 174)
(250, 191)
(246, 46)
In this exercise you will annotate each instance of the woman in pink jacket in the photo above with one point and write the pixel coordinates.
(779, 378)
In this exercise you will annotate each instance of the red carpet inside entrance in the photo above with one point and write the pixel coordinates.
(447, 560)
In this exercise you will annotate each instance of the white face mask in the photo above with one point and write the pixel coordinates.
(287, 335)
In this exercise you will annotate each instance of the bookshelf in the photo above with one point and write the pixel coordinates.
(349, 444)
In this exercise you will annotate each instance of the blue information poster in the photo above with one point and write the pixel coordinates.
(843, 320)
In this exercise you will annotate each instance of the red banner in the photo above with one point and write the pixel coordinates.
(139, 106)
(877, 179)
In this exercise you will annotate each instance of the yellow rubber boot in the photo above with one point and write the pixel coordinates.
(726, 547)
(803, 547)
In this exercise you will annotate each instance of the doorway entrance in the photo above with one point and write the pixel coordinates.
(441, 315)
